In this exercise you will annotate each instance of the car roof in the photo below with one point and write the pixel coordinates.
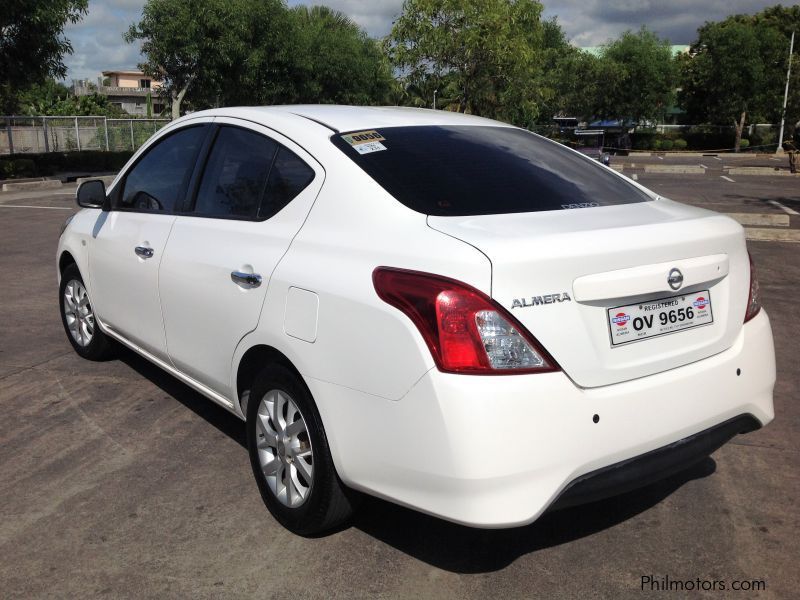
(340, 118)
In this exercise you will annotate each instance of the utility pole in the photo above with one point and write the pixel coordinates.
(785, 97)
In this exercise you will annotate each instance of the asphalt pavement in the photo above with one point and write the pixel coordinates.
(118, 481)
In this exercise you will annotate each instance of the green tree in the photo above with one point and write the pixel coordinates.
(216, 51)
(55, 99)
(32, 43)
(734, 68)
(633, 76)
(40, 98)
(335, 61)
(488, 52)
(576, 84)
(572, 79)
(638, 77)
(786, 19)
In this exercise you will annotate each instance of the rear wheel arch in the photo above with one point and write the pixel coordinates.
(252, 363)
(290, 456)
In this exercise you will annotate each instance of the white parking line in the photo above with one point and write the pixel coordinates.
(702, 165)
(716, 158)
(660, 158)
(786, 209)
(778, 159)
(726, 178)
(23, 206)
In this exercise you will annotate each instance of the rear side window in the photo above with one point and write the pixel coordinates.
(476, 170)
(235, 174)
(289, 176)
(158, 180)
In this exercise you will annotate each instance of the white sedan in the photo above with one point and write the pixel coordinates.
(441, 310)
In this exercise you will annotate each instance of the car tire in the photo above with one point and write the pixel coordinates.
(78, 318)
(291, 461)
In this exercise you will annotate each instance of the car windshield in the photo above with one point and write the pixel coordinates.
(477, 170)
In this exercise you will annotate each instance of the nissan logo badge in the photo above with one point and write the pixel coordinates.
(675, 279)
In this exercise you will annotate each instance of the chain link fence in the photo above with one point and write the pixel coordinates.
(35, 135)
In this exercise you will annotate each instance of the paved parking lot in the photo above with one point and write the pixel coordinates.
(116, 480)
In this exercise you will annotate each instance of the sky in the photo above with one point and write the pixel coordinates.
(98, 44)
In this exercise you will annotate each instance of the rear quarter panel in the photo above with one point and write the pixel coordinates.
(361, 342)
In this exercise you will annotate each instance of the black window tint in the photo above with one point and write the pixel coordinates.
(235, 174)
(289, 176)
(157, 182)
(469, 170)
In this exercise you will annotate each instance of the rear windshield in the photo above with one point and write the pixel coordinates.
(476, 170)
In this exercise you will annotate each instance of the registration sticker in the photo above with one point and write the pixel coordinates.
(365, 142)
(369, 147)
(636, 322)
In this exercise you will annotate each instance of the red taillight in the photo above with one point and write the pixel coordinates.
(753, 303)
(465, 330)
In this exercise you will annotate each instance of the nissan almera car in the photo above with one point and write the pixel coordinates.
(441, 310)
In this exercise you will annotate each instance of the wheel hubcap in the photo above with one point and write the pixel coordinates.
(78, 313)
(284, 448)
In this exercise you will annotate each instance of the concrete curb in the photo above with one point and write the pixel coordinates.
(772, 235)
(47, 184)
(106, 179)
(700, 154)
(27, 179)
(682, 169)
(760, 219)
(672, 153)
(763, 171)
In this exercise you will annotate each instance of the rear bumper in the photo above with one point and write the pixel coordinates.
(651, 466)
(498, 451)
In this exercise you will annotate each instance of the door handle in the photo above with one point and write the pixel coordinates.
(143, 252)
(252, 280)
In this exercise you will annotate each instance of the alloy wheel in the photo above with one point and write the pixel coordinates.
(78, 313)
(284, 448)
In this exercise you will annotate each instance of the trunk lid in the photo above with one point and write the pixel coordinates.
(559, 272)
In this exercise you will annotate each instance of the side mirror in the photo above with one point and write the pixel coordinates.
(91, 194)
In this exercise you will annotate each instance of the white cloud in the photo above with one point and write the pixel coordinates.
(97, 39)
(594, 22)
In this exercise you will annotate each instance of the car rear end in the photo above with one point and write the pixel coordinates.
(620, 339)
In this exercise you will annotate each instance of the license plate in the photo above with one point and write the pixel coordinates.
(644, 320)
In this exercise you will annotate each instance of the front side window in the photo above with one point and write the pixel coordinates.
(482, 170)
(235, 175)
(158, 180)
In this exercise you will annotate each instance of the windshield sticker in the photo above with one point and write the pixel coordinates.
(365, 142)
(363, 137)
